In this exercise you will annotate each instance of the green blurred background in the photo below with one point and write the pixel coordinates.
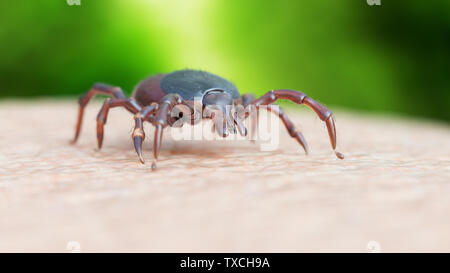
(389, 58)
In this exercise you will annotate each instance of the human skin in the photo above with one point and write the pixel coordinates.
(392, 188)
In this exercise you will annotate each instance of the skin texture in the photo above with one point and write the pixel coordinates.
(155, 97)
(222, 196)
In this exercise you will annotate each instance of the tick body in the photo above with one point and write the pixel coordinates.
(155, 98)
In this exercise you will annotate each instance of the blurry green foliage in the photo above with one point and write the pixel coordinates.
(394, 57)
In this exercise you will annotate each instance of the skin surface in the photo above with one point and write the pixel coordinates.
(222, 196)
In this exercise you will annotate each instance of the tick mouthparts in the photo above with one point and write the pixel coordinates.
(220, 127)
(230, 122)
(241, 128)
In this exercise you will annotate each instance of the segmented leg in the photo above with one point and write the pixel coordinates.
(290, 127)
(160, 123)
(98, 88)
(300, 98)
(129, 104)
(246, 100)
(138, 136)
(159, 117)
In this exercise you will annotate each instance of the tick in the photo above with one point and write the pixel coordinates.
(155, 97)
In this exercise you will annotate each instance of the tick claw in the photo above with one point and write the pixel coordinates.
(141, 159)
(138, 137)
(99, 143)
(301, 139)
(339, 155)
(241, 128)
(157, 141)
(331, 131)
(138, 147)
(99, 135)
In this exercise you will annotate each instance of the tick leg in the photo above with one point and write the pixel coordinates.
(98, 88)
(138, 136)
(300, 98)
(253, 114)
(158, 115)
(130, 104)
(161, 117)
(246, 100)
(293, 132)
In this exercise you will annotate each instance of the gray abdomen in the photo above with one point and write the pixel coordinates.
(192, 83)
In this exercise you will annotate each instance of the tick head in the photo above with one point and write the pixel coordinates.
(218, 106)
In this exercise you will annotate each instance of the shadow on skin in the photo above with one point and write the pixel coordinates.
(172, 148)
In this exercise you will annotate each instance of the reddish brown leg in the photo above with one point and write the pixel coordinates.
(159, 116)
(130, 104)
(293, 132)
(300, 98)
(138, 136)
(98, 88)
(246, 100)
